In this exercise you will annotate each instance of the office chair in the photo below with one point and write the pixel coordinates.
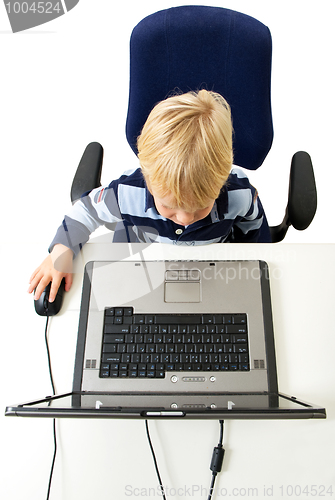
(194, 47)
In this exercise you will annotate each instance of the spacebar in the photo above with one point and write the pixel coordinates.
(178, 319)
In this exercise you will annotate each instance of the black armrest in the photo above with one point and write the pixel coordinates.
(88, 173)
(302, 197)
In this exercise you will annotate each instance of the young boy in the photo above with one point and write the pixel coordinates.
(184, 191)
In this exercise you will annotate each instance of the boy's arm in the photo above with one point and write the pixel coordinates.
(96, 208)
(87, 214)
(247, 229)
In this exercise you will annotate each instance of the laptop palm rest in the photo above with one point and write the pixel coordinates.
(182, 292)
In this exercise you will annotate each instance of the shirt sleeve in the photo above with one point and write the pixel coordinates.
(96, 208)
(247, 228)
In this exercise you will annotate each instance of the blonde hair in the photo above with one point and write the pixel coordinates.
(185, 148)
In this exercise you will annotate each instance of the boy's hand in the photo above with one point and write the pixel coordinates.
(54, 268)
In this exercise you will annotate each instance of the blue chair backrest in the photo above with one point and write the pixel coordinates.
(195, 47)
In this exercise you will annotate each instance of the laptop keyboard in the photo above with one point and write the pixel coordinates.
(149, 345)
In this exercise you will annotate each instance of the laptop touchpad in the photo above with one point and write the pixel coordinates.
(182, 291)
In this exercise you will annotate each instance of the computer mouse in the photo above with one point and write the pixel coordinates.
(45, 308)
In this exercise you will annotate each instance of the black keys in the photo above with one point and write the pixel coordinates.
(179, 319)
(149, 345)
(114, 338)
(116, 328)
(132, 370)
(237, 329)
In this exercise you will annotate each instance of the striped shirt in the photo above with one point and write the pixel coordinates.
(237, 214)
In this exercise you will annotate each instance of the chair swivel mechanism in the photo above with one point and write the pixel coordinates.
(194, 47)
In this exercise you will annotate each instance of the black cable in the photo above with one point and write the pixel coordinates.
(54, 420)
(216, 464)
(221, 422)
(217, 459)
(211, 488)
(155, 461)
(54, 458)
(49, 358)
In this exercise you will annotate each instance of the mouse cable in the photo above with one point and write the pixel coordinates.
(49, 357)
(217, 459)
(216, 464)
(54, 420)
(155, 461)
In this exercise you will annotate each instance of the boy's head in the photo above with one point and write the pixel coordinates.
(185, 149)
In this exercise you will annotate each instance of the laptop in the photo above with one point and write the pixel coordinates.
(175, 335)
(174, 339)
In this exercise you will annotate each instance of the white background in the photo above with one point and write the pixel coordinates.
(65, 84)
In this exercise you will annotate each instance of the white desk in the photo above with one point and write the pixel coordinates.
(111, 459)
